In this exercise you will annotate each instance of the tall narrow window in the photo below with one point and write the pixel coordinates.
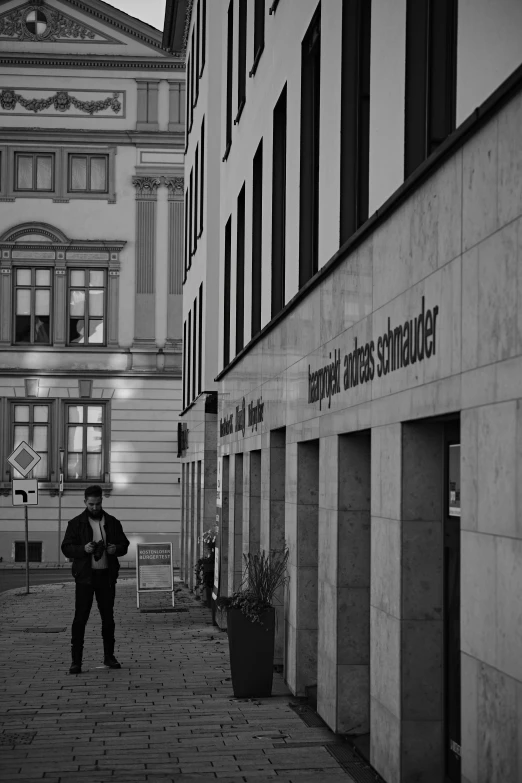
(226, 293)
(196, 69)
(189, 360)
(202, 176)
(257, 233)
(196, 200)
(279, 204)
(184, 365)
(193, 72)
(200, 336)
(230, 58)
(191, 225)
(259, 33)
(33, 289)
(34, 172)
(309, 176)
(85, 442)
(188, 112)
(355, 116)
(187, 232)
(194, 348)
(430, 100)
(241, 57)
(203, 33)
(87, 295)
(32, 423)
(240, 271)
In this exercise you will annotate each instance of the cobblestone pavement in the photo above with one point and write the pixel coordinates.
(167, 715)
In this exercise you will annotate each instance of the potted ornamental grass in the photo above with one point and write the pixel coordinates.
(251, 623)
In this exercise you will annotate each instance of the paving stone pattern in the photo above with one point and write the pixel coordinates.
(168, 715)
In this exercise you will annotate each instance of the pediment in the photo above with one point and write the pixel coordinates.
(75, 26)
(32, 233)
(40, 22)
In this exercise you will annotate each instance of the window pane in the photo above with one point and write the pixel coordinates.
(96, 332)
(43, 298)
(94, 439)
(74, 438)
(98, 174)
(23, 329)
(94, 466)
(77, 303)
(95, 414)
(20, 433)
(44, 180)
(75, 414)
(74, 466)
(24, 172)
(78, 277)
(96, 278)
(43, 276)
(23, 277)
(40, 413)
(77, 331)
(96, 303)
(41, 328)
(39, 438)
(21, 413)
(23, 302)
(41, 470)
(78, 173)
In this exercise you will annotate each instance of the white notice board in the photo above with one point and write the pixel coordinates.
(154, 569)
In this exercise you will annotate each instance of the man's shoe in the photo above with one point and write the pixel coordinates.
(111, 662)
(76, 668)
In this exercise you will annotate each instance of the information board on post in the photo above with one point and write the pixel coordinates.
(154, 572)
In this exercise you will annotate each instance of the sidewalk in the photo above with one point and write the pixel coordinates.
(168, 715)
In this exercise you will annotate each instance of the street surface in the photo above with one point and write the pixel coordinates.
(168, 715)
(15, 577)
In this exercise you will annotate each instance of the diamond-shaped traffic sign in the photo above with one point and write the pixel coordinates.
(24, 458)
(25, 492)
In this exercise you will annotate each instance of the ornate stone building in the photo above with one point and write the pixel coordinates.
(91, 256)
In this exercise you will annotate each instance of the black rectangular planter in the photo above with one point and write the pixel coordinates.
(251, 653)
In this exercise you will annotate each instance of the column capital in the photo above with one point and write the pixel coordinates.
(146, 187)
(175, 186)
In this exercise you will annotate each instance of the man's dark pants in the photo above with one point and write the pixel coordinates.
(104, 589)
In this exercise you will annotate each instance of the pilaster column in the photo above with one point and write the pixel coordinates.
(60, 301)
(6, 285)
(113, 300)
(176, 106)
(175, 271)
(145, 285)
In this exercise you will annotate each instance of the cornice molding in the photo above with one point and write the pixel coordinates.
(109, 62)
(86, 136)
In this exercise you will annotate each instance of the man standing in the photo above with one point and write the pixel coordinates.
(94, 540)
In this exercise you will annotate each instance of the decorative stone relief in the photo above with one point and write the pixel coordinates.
(36, 22)
(146, 187)
(61, 101)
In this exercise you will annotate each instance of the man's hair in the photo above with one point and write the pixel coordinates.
(93, 492)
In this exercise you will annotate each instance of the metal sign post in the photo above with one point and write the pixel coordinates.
(24, 491)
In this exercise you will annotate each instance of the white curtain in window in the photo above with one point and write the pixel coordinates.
(44, 179)
(24, 174)
(98, 174)
(78, 173)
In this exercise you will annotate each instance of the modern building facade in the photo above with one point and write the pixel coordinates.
(198, 26)
(91, 240)
(370, 363)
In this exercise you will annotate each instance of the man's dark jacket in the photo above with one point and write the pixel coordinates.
(79, 533)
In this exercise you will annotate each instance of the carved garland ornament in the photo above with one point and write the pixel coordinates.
(36, 23)
(61, 101)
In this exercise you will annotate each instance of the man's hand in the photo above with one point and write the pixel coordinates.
(111, 549)
(89, 548)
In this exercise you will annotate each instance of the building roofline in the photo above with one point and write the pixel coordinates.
(466, 130)
(178, 14)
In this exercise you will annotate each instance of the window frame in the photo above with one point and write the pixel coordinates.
(106, 443)
(61, 192)
(86, 269)
(32, 402)
(259, 34)
(33, 268)
(89, 157)
(32, 192)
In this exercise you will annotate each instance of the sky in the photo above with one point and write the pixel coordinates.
(149, 11)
